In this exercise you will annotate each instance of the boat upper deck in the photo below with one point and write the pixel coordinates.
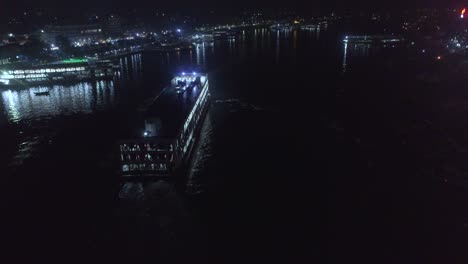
(170, 111)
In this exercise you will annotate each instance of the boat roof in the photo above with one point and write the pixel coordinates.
(172, 109)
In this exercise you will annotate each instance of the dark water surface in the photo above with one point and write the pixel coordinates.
(311, 150)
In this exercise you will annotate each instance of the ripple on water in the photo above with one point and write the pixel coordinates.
(131, 191)
(236, 105)
(25, 150)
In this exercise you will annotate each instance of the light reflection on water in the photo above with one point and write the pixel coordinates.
(83, 97)
(32, 116)
(33, 113)
(21, 110)
(345, 57)
(352, 51)
(86, 97)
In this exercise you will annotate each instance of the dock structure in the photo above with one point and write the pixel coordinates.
(77, 69)
(162, 147)
(374, 39)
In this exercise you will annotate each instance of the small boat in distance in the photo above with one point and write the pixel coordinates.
(42, 93)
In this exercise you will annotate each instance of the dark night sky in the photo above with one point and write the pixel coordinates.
(304, 6)
(312, 4)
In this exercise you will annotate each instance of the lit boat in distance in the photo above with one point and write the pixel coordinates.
(69, 70)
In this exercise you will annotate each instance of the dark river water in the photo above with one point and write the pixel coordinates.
(312, 149)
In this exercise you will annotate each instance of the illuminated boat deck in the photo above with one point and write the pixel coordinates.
(173, 109)
(171, 126)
